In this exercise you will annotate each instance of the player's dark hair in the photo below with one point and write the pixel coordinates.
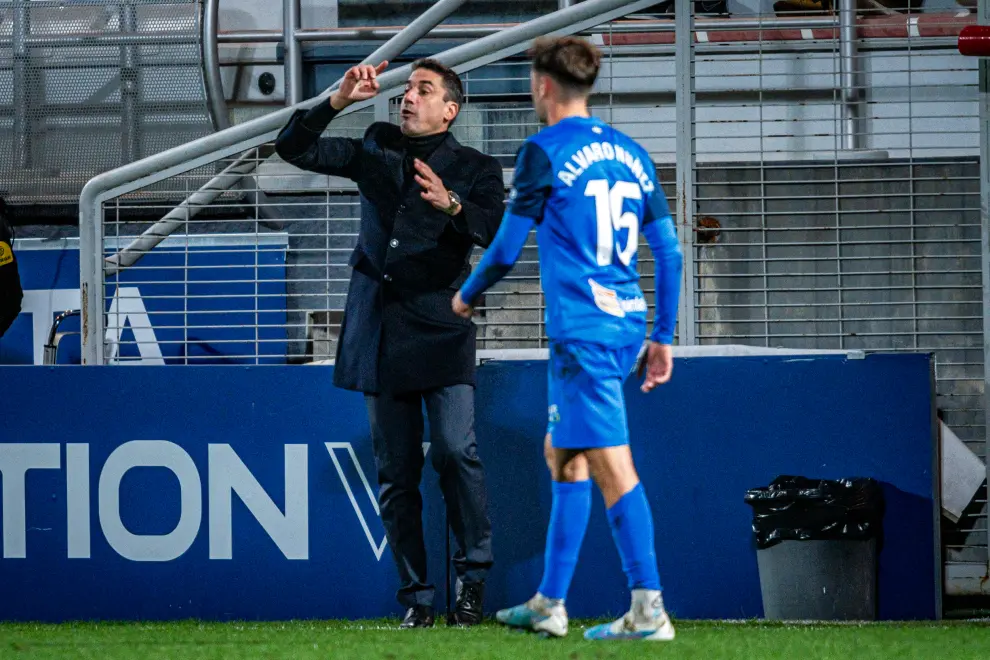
(572, 62)
(453, 88)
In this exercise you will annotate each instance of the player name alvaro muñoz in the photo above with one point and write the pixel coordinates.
(596, 152)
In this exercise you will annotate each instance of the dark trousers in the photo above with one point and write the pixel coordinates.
(397, 437)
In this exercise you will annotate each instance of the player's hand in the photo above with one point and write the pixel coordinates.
(434, 191)
(658, 365)
(360, 83)
(460, 307)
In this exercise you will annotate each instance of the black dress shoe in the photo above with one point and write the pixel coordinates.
(418, 616)
(470, 603)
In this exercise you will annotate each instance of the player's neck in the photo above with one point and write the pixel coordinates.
(558, 113)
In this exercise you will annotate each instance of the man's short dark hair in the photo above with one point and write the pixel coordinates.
(453, 88)
(572, 62)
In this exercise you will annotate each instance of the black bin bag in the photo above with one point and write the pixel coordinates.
(817, 547)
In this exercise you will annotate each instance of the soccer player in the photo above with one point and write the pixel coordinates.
(590, 190)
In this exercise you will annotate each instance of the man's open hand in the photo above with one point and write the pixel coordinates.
(360, 83)
(434, 191)
(658, 364)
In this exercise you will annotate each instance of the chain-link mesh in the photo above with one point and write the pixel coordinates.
(89, 85)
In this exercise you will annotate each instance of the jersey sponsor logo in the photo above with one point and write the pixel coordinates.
(606, 299)
(589, 154)
(6, 254)
(609, 302)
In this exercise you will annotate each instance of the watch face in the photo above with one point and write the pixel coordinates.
(454, 197)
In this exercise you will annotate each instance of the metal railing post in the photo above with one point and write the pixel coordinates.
(22, 86)
(848, 78)
(291, 24)
(984, 110)
(685, 146)
(212, 82)
(130, 147)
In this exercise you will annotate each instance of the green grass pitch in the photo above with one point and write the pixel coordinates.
(368, 640)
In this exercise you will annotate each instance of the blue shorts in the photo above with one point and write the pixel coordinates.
(587, 408)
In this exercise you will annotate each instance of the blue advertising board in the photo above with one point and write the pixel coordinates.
(195, 299)
(249, 492)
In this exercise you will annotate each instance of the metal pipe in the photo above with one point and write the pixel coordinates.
(241, 137)
(227, 179)
(477, 31)
(130, 147)
(984, 114)
(685, 171)
(421, 26)
(220, 116)
(291, 23)
(72, 40)
(212, 82)
(22, 86)
(847, 77)
(248, 162)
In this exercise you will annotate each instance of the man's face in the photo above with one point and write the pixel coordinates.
(424, 110)
(538, 90)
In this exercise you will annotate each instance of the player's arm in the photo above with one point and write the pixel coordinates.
(661, 235)
(532, 183)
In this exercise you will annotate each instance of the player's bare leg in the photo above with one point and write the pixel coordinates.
(632, 528)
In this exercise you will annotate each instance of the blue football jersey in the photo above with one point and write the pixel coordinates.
(590, 189)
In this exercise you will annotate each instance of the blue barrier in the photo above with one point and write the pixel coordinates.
(202, 297)
(97, 529)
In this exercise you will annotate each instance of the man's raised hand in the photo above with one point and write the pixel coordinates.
(360, 83)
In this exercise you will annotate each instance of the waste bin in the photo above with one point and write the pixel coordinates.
(818, 543)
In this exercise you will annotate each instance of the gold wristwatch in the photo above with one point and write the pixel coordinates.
(455, 203)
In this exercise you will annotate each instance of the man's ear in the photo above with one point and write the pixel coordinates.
(450, 112)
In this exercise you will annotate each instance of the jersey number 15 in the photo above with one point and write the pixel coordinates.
(611, 219)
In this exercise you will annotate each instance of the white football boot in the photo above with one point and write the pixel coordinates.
(646, 619)
(539, 614)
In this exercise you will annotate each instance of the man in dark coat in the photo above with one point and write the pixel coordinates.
(10, 282)
(426, 201)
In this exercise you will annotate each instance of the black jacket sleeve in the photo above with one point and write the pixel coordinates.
(300, 144)
(482, 211)
(10, 282)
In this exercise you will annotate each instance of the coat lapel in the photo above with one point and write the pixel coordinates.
(444, 156)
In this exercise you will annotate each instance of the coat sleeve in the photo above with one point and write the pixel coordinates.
(300, 143)
(482, 211)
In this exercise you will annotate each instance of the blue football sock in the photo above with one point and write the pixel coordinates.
(632, 529)
(568, 521)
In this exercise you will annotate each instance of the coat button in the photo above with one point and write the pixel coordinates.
(388, 278)
(394, 242)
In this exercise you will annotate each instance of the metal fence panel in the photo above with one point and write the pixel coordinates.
(88, 86)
